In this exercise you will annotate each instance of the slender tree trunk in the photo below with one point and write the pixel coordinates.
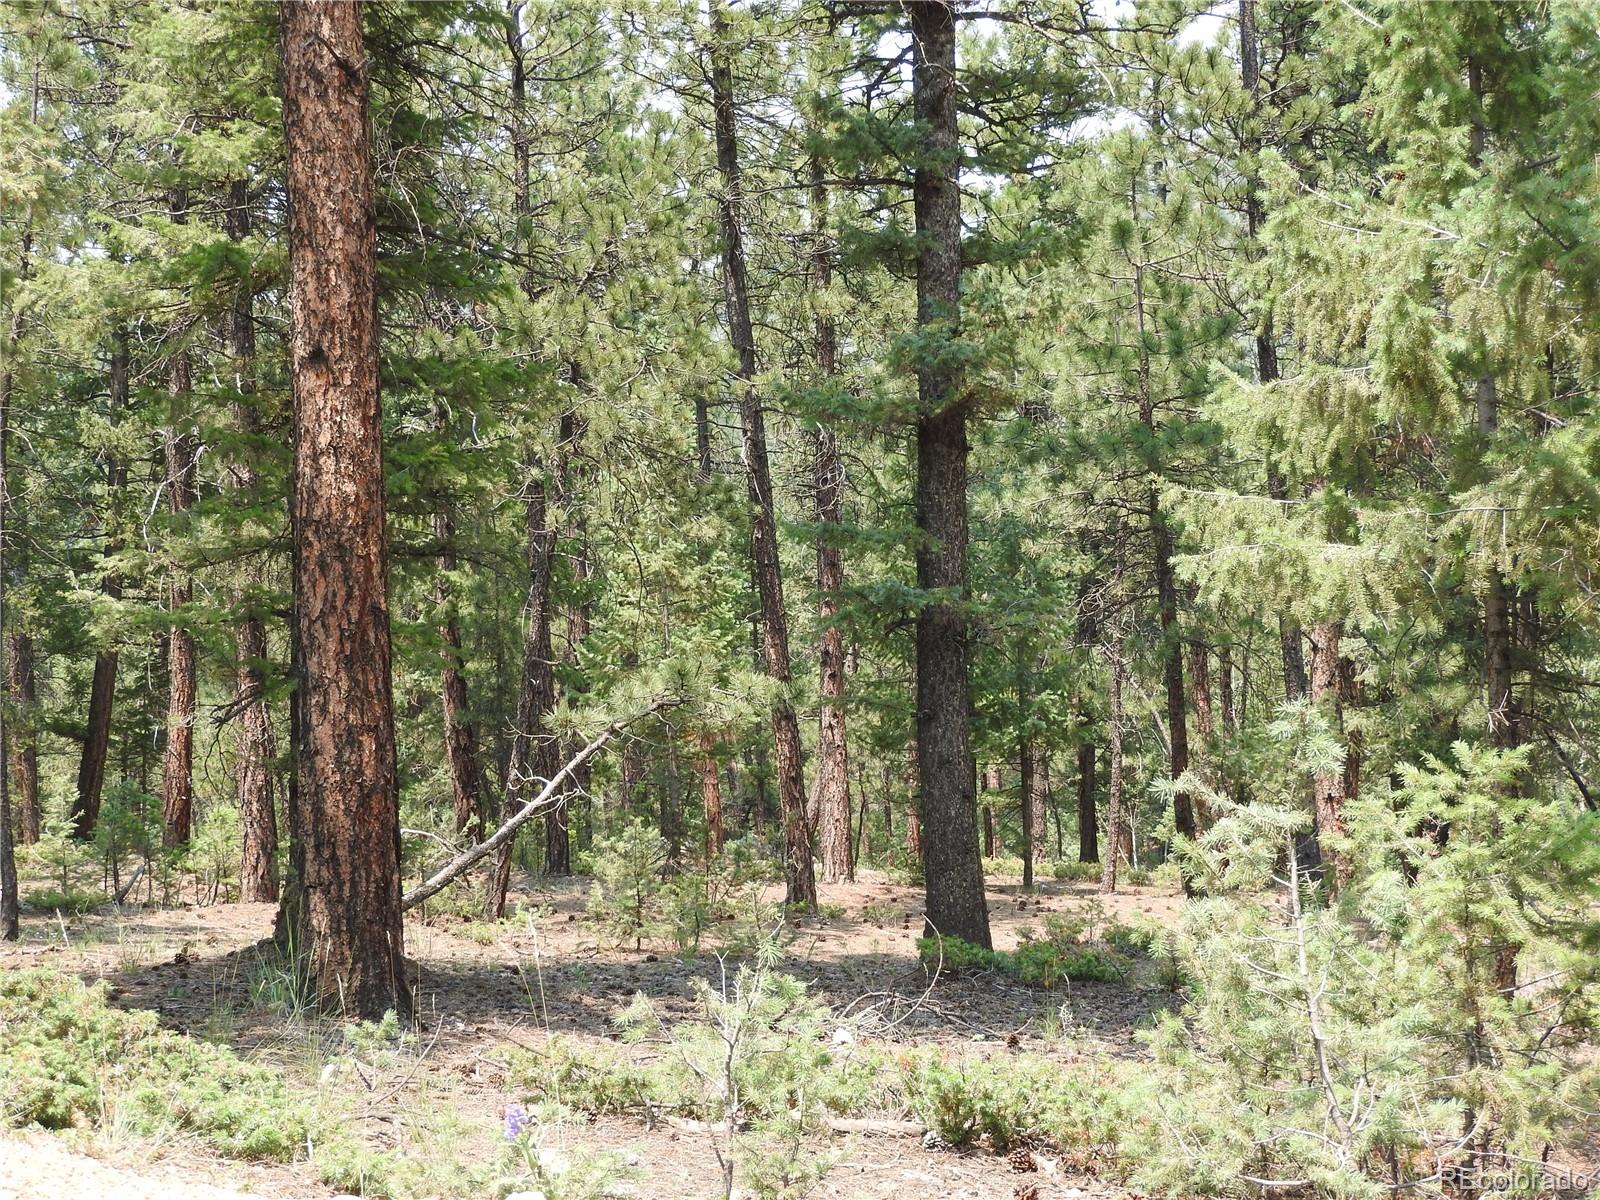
(1115, 824)
(575, 480)
(460, 737)
(182, 455)
(1328, 787)
(1225, 698)
(533, 749)
(953, 870)
(799, 879)
(347, 755)
(1166, 595)
(254, 748)
(9, 898)
(1040, 804)
(833, 771)
(1088, 833)
(711, 795)
(1205, 724)
(570, 476)
(103, 687)
(24, 746)
(913, 808)
(1027, 794)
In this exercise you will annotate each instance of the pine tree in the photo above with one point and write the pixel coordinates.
(348, 803)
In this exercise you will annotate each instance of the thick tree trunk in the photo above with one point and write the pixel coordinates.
(952, 868)
(182, 455)
(799, 879)
(254, 749)
(833, 778)
(21, 684)
(103, 687)
(346, 763)
(1328, 788)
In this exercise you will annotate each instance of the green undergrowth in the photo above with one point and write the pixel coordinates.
(72, 1062)
(69, 1060)
(1084, 946)
(966, 1099)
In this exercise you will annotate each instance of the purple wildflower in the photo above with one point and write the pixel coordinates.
(516, 1121)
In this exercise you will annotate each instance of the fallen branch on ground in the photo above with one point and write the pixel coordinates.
(548, 798)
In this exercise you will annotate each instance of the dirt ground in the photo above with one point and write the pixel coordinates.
(483, 988)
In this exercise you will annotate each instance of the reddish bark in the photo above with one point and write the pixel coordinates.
(799, 877)
(254, 747)
(348, 795)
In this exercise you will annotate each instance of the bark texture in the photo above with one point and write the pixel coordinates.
(346, 761)
(952, 867)
(254, 748)
(799, 878)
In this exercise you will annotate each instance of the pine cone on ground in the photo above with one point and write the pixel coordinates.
(1026, 1191)
(932, 1141)
(1022, 1161)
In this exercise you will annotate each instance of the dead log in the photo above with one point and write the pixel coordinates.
(549, 797)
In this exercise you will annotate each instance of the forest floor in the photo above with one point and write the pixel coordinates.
(485, 988)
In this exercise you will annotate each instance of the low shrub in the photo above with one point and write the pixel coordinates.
(68, 1059)
(1036, 963)
(72, 901)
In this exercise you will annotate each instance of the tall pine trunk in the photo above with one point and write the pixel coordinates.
(349, 801)
(182, 451)
(533, 750)
(254, 749)
(833, 778)
(799, 879)
(103, 686)
(956, 906)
